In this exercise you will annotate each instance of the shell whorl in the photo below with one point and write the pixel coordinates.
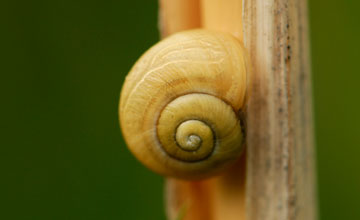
(179, 104)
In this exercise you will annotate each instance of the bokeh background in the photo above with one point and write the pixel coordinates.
(62, 66)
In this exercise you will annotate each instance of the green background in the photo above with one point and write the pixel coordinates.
(62, 67)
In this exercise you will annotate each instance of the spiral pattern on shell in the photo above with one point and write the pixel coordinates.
(180, 102)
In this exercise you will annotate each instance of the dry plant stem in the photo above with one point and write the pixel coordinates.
(280, 179)
(280, 154)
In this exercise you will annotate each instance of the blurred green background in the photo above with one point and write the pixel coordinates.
(62, 67)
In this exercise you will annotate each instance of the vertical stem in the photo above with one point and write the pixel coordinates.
(280, 156)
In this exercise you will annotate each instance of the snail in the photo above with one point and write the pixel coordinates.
(180, 104)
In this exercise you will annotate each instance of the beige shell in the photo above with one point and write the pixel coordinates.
(180, 102)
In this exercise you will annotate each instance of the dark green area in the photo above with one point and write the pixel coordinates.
(335, 35)
(62, 67)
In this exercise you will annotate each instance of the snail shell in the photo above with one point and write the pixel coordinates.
(180, 102)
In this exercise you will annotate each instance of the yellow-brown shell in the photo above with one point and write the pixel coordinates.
(179, 104)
